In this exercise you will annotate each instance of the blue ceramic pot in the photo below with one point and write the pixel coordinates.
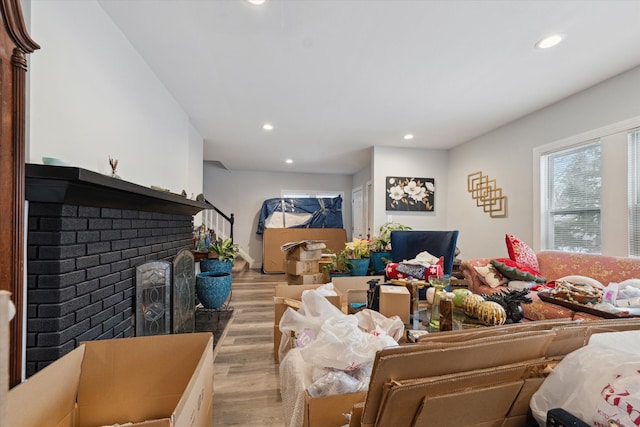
(214, 265)
(213, 288)
(377, 264)
(359, 267)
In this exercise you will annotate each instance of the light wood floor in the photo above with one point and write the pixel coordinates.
(246, 380)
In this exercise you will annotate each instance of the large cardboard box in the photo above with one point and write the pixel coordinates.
(395, 301)
(290, 296)
(157, 381)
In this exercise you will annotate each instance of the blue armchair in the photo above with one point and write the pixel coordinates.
(406, 244)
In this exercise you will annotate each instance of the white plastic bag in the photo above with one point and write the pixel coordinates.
(595, 383)
(334, 381)
(341, 344)
(623, 296)
(307, 321)
(371, 321)
(326, 290)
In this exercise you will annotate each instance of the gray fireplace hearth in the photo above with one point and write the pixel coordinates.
(86, 234)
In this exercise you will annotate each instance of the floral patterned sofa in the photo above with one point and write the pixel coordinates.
(554, 265)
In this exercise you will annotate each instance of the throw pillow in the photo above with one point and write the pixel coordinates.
(514, 270)
(490, 276)
(520, 252)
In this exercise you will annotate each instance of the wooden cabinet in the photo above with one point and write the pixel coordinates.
(15, 43)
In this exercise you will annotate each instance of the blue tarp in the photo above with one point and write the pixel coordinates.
(326, 212)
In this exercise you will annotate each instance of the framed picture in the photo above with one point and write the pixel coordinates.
(410, 194)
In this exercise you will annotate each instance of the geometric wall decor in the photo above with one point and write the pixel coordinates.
(487, 195)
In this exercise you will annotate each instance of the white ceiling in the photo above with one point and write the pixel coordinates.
(336, 77)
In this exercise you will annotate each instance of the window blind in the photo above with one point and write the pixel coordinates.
(634, 190)
(573, 199)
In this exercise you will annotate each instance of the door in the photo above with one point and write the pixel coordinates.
(357, 213)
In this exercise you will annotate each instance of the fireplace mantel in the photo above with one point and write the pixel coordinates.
(77, 186)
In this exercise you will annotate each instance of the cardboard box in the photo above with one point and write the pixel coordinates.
(438, 359)
(395, 301)
(354, 282)
(305, 279)
(164, 380)
(306, 250)
(493, 371)
(327, 411)
(273, 238)
(297, 268)
(282, 293)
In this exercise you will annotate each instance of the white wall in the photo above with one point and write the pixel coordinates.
(506, 154)
(394, 162)
(93, 96)
(242, 193)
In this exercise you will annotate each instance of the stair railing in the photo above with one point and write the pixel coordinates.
(222, 224)
(216, 220)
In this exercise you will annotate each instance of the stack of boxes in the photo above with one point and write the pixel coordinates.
(303, 262)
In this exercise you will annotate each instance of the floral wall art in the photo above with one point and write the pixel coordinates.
(410, 194)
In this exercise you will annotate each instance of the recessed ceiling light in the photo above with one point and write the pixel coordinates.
(408, 136)
(257, 2)
(267, 126)
(289, 161)
(549, 41)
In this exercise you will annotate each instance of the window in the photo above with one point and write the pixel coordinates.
(571, 199)
(634, 192)
(286, 194)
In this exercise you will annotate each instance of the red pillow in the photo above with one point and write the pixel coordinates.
(516, 271)
(520, 252)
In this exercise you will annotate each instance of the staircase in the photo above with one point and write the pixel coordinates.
(222, 224)
(239, 265)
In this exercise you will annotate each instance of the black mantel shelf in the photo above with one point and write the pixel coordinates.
(76, 186)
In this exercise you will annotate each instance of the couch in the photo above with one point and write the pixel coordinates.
(554, 265)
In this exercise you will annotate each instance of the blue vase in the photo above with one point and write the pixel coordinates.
(377, 263)
(214, 265)
(359, 267)
(213, 288)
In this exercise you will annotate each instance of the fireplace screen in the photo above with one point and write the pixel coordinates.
(184, 285)
(153, 298)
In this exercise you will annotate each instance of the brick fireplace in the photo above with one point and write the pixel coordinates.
(86, 234)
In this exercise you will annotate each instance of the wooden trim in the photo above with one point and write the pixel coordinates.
(14, 40)
(15, 26)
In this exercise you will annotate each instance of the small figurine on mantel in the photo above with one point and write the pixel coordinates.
(114, 164)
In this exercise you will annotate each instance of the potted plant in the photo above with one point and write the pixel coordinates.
(339, 265)
(213, 284)
(225, 252)
(357, 251)
(381, 245)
